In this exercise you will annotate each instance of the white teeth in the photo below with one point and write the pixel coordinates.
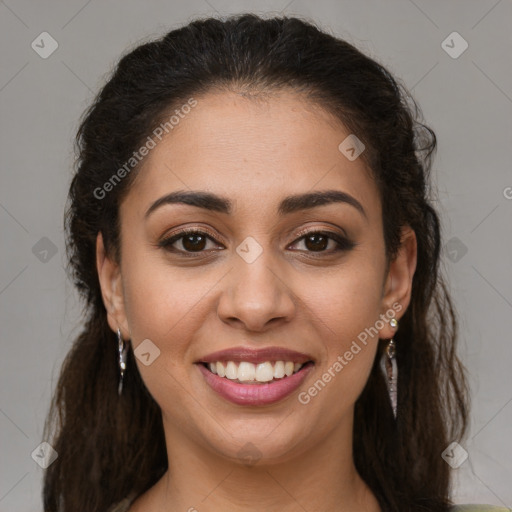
(288, 368)
(220, 370)
(279, 370)
(264, 372)
(246, 371)
(249, 372)
(231, 371)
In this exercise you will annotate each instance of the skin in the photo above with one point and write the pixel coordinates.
(293, 295)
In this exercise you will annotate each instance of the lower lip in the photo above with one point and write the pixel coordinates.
(255, 394)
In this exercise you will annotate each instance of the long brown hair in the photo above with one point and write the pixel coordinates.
(110, 446)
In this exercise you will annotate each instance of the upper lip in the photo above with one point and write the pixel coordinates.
(238, 354)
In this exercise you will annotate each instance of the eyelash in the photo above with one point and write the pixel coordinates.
(343, 244)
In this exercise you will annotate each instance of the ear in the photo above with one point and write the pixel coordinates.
(398, 283)
(109, 274)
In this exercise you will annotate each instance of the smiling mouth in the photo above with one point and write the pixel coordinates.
(244, 372)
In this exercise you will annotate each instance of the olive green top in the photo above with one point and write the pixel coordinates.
(479, 508)
(124, 505)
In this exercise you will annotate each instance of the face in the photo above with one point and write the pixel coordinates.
(258, 271)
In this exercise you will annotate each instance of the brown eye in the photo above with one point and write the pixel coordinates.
(194, 242)
(318, 241)
(191, 241)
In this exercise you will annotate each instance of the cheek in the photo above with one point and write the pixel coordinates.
(161, 305)
(160, 301)
(349, 349)
(347, 306)
(348, 300)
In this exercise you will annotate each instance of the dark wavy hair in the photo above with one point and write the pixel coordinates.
(110, 446)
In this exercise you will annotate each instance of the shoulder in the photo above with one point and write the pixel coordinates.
(124, 504)
(478, 508)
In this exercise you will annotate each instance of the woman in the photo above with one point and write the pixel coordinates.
(267, 328)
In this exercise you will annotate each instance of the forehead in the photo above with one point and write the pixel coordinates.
(254, 151)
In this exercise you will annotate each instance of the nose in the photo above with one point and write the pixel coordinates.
(257, 295)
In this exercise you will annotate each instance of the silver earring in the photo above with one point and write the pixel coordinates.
(123, 351)
(390, 369)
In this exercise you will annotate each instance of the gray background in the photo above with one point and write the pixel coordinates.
(466, 100)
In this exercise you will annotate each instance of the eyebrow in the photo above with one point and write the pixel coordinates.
(289, 204)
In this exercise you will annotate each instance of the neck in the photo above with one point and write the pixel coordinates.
(323, 477)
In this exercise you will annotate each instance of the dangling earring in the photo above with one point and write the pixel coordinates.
(390, 369)
(123, 351)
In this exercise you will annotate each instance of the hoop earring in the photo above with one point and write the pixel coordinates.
(123, 351)
(390, 369)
